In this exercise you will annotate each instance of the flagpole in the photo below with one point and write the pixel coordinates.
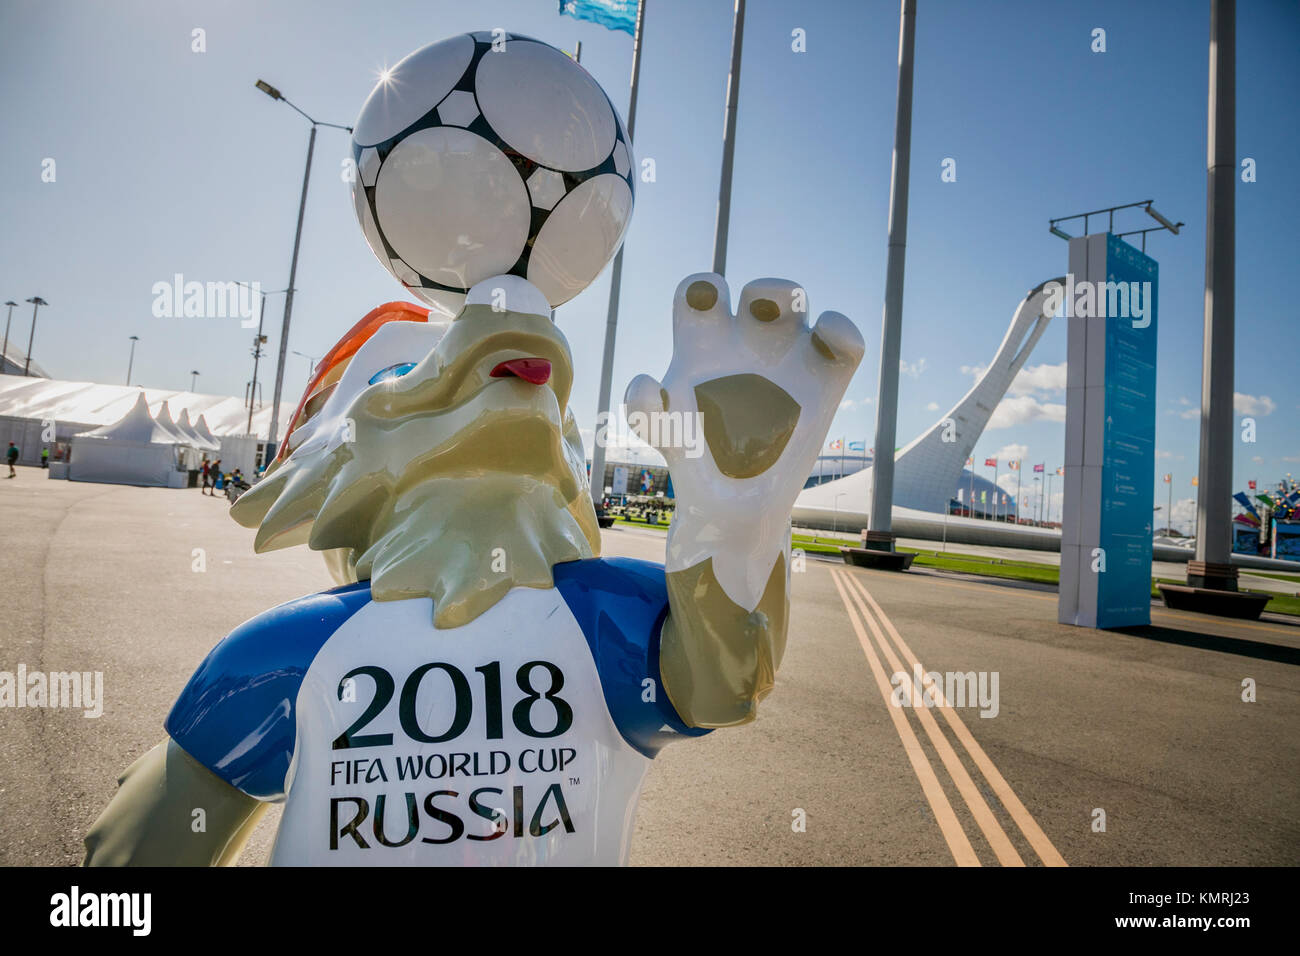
(880, 521)
(1020, 471)
(615, 282)
(1169, 516)
(995, 486)
(729, 144)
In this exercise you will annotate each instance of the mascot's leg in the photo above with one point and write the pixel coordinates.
(152, 820)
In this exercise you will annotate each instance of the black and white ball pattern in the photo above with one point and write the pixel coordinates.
(475, 161)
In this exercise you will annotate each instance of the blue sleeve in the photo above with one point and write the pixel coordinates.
(237, 716)
(620, 604)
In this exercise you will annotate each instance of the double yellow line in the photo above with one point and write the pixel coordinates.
(856, 600)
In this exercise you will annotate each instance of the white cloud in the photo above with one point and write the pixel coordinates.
(914, 370)
(1184, 520)
(1022, 409)
(850, 403)
(1168, 454)
(1190, 413)
(1040, 380)
(1037, 379)
(1183, 401)
(1258, 459)
(1007, 452)
(1244, 404)
(932, 407)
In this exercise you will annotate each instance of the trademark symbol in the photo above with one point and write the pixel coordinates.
(574, 781)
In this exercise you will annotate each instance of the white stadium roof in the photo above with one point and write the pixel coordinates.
(88, 403)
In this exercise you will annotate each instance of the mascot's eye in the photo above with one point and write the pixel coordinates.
(393, 371)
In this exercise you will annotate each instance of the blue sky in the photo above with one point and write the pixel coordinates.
(170, 161)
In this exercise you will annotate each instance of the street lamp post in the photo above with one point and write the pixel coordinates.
(36, 302)
(275, 94)
(311, 360)
(194, 379)
(130, 362)
(4, 354)
(258, 341)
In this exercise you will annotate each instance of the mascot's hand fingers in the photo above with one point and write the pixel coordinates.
(644, 400)
(839, 341)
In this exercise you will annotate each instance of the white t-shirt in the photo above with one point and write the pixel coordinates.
(522, 737)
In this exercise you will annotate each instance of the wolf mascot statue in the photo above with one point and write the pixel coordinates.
(481, 687)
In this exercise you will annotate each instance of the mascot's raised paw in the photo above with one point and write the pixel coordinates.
(739, 417)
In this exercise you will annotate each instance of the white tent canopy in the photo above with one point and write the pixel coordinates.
(90, 404)
(137, 449)
(163, 417)
(201, 427)
(29, 405)
(197, 438)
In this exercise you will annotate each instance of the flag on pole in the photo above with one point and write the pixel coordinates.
(1014, 464)
(1061, 470)
(1168, 479)
(1040, 469)
(1250, 485)
(837, 444)
(984, 496)
(857, 446)
(970, 462)
(990, 462)
(1195, 481)
(612, 14)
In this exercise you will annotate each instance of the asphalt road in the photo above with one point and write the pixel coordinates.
(1149, 727)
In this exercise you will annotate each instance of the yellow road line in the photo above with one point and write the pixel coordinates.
(979, 808)
(1023, 818)
(962, 851)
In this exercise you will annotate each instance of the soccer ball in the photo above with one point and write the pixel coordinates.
(484, 155)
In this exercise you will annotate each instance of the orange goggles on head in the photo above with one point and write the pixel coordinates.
(331, 368)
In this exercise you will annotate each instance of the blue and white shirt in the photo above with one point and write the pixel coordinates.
(522, 737)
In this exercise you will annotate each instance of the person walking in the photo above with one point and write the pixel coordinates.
(207, 475)
(12, 457)
(45, 457)
(215, 474)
